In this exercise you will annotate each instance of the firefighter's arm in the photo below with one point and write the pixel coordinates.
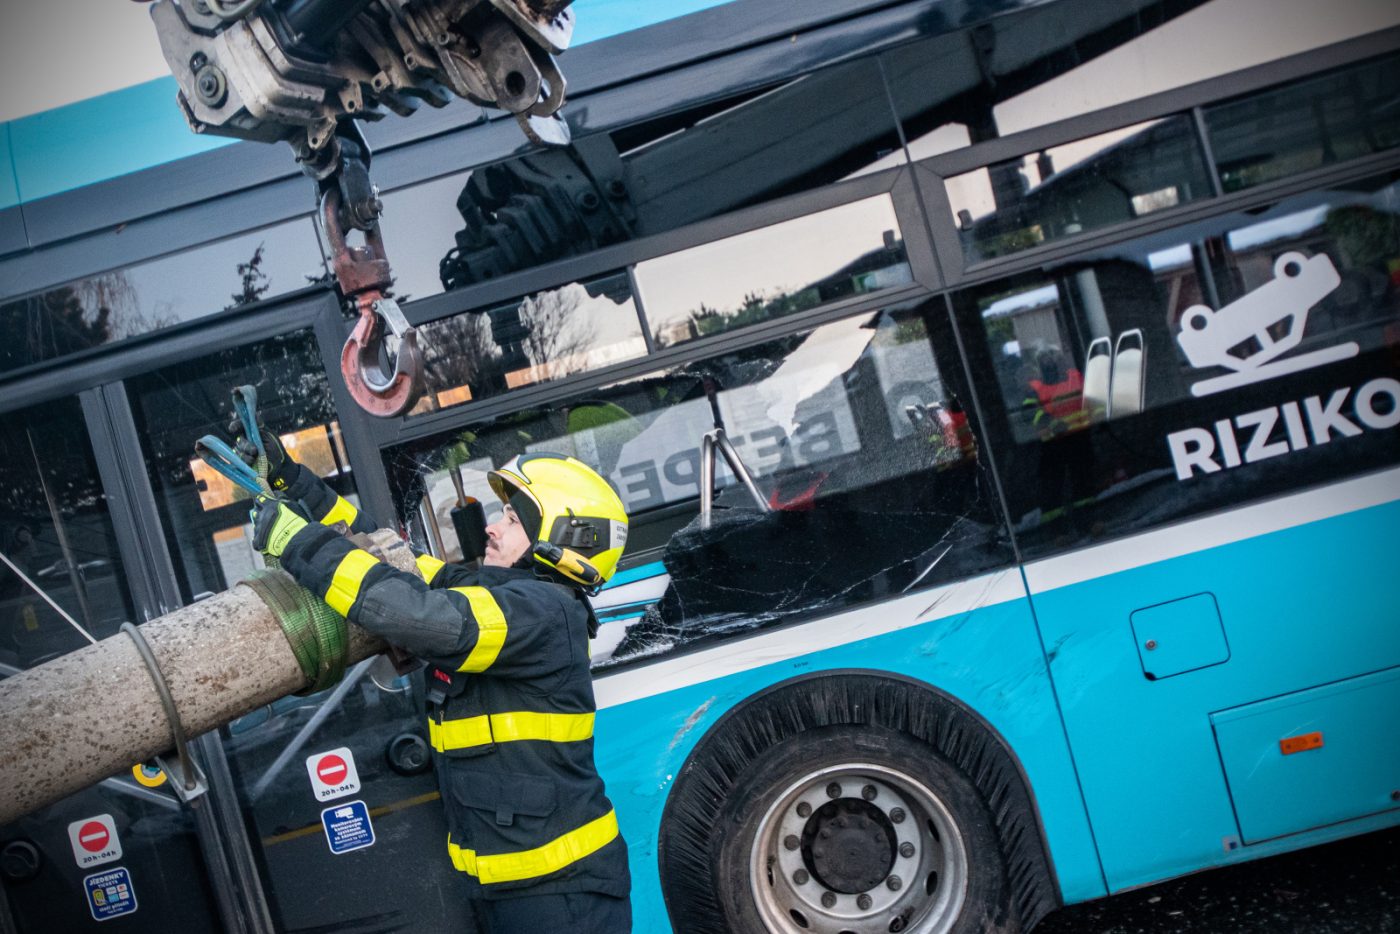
(468, 629)
(323, 503)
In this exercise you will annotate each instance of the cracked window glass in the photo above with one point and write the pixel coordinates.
(1241, 356)
(866, 470)
(199, 282)
(542, 337)
(764, 274)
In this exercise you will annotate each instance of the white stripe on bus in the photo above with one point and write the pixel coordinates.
(766, 648)
(1223, 528)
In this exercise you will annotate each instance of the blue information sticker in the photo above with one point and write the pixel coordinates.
(348, 827)
(110, 894)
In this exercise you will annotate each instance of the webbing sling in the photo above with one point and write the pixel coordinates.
(509, 727)
(541, 861)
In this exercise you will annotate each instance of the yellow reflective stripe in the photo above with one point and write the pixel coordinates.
(342, 511)
(345, 582)
(508, 728)
(491, 628)
(428, 566)
(541, 861)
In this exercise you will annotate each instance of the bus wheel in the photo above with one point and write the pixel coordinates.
(854, 830)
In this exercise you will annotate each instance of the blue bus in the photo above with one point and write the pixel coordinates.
(1005, 408)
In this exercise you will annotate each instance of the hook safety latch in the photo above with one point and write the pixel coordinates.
(381, 385)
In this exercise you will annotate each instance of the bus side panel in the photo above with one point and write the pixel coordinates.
(1300, 607)
(989, 658)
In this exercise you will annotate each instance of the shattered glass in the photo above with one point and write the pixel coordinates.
(866, 463)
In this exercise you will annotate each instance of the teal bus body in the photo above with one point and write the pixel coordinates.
(1068, 697)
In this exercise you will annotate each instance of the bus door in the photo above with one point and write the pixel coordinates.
(125, 850)
(335, 787)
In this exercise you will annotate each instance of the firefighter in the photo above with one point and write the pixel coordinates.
(510, 695)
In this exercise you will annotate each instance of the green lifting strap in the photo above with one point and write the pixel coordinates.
(317, 634)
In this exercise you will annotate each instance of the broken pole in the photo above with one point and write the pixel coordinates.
(95, 712)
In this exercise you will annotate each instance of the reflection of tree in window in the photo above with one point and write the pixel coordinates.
(72, 317)
(255, 282)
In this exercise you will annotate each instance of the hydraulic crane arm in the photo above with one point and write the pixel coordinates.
(305, 70)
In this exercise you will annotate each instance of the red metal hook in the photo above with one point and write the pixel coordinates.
(363, 274)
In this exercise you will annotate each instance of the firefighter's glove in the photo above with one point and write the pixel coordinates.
(275, 522)
(281, 469)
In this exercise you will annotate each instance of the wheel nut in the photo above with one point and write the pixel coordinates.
(791, 842)
(897, 815)
(863, 902)
(833, 790)
(800, 877)
(895, 883)
(906, 849)
(804, 809)
(828, 900)
(868, 792)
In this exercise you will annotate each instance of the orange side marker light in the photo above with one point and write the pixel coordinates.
(1300, 743)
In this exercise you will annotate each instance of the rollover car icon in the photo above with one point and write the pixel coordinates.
(1249, 335)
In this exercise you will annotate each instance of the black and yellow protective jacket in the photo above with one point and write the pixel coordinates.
(510, 710)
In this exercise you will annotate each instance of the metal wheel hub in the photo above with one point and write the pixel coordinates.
(858, 849)
(849, 845)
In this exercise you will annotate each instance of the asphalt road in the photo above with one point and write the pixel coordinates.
(1350, 887)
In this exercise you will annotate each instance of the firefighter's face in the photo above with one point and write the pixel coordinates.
(506, 541)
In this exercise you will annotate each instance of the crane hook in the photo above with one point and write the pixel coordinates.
(363, 274)
(377, 392)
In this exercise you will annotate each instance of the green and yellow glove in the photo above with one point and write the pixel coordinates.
(281, 469)
(275, 521)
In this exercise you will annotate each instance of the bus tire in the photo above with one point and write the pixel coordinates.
(851, 827)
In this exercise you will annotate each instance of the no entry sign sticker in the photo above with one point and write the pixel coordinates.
(94, 840)
(332, 773)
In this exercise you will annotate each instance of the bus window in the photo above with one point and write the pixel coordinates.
(1239, 357)
(1307, 124)
(541, 337)
(1079, 186)
(774, 271)
(863, 452)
